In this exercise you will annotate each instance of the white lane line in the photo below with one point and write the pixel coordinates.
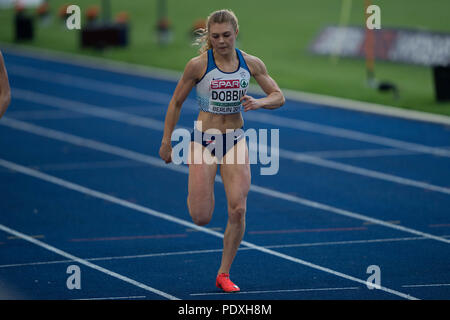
(61, 136)
(173, 76)
(175, 253)
(115, 298)
(344, 133)
(155, 96)
(358, 153)
(167, 217)
(276, 291)
(367, 107)
(85, 262)
(361, 171)
(317, 205)
(137, 256)
(89, 84)
(347, 242)
(426, 285)
(89, 109)
(150, 123)
(88, 165)
(157, 125)
(88, 143)
(66, 114)
(45, 115)
(90, 62)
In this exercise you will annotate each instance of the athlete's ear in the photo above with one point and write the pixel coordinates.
(237, 31)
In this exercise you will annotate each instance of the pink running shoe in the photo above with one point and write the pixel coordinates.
(223, 282)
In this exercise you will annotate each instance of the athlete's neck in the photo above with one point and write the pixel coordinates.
(225, 58)
(227, 62)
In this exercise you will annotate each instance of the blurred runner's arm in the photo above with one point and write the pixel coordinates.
(5, 91)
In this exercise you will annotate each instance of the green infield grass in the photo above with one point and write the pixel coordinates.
(279, 32)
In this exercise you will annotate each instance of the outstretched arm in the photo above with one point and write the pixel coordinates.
(184, 87)
(5, 91)
(274, 98)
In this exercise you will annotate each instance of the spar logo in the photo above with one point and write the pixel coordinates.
(244, 83)
(225, 84)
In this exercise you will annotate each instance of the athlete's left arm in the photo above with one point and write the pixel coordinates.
(274, 98)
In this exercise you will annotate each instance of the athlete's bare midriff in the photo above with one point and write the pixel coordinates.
(222, 122)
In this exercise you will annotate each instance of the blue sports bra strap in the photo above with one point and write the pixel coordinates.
(242, 60)
(211, 63)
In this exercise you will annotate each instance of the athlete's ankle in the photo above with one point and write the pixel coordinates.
(223, 271)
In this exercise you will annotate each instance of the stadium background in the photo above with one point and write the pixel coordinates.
(279, 32)
(81, 179)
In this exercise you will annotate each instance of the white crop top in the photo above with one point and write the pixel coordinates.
(220, 92)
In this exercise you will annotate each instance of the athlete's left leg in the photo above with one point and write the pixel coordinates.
(236, 178)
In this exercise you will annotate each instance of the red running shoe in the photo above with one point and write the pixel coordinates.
(223, 282)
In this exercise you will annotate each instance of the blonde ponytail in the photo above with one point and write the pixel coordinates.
(219, 16)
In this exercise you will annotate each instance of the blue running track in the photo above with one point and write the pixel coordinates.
(82, 186)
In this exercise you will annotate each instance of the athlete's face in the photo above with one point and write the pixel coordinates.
(222, 37)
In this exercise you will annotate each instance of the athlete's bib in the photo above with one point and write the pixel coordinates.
(221, 92)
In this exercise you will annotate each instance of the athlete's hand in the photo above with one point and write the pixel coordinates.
(250, 103)
(165, 152)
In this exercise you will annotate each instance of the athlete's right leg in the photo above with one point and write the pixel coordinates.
(202, 175)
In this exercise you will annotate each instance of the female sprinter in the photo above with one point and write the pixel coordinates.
(214, 72)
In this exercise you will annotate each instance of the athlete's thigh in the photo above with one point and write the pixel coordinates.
(201, 178)
(236, 178)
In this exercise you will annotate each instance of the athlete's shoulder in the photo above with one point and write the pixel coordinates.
(196, 66)
(255, 64)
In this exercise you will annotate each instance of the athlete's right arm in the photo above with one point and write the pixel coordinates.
(188, 80)
(5, 91)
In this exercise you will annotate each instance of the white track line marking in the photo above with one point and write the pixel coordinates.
(88, 165)
(61, 136)
(171, 75)
(138, 256)
(275, 291)
(150, 123)
(115, 298)
(167, 217)
(155, 96)
(344, 133)
(90, 84)
(85, 262)
(426, 285)
(66, 114)
(317, 205)
(164, 254)
(45, 115)
(367, 107)
(89, 109)
(361, 171)
(359, 153)
(346, 242)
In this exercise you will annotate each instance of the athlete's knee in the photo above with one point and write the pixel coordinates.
(236, 213)
(200, 215)
(201, 218)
